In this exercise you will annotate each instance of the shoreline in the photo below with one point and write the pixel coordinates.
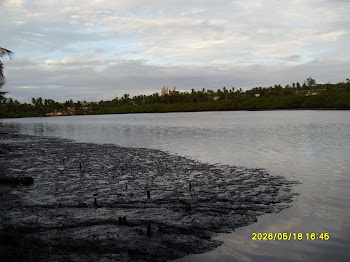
(126, 204)
(192, 111)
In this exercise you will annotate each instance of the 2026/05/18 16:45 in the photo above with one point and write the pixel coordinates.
(290, 236)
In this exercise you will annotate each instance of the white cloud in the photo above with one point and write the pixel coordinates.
(27, 87)
(332, 36)
(34, 34)
(50, 62)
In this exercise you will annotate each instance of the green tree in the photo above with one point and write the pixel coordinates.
(310, 81)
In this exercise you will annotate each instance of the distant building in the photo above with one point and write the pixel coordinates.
(172, 91)
(164, 91)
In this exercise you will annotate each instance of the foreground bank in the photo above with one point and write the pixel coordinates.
(92, 201)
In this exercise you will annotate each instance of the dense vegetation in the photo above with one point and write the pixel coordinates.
(295, 96)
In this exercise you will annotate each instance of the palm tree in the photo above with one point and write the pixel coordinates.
(3, 52)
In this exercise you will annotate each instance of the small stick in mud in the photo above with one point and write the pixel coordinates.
(148, 194)
(95, 203)
(149, 230)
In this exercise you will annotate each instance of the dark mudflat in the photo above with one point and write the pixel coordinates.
(90, 202)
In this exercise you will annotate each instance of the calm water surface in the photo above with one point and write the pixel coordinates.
(310, 146)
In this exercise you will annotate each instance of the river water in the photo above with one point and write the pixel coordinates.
(312, 147)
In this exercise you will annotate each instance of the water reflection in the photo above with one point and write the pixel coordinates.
(311, 146)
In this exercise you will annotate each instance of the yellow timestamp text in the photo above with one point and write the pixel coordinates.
(290, 236)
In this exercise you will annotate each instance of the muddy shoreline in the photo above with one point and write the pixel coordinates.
(94, 202)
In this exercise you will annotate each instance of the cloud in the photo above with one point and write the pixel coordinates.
(34, 34)
(332, 36)
(100, 79)
(279, 49)
(25, 87)
(93, 48)
(292, 58)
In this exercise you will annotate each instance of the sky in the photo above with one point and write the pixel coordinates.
(96, 49)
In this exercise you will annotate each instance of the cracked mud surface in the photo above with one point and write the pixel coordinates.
(104, 202)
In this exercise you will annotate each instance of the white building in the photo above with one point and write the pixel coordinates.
(164, 91)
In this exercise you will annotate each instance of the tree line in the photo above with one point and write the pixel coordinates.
(306, 95)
